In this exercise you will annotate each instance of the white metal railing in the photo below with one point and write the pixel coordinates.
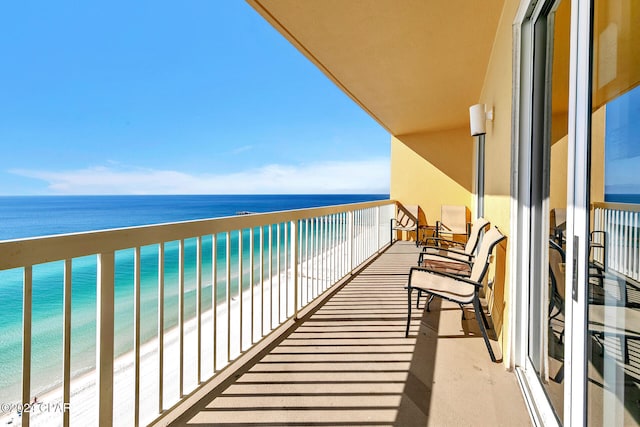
(617, 237)
(261, 268)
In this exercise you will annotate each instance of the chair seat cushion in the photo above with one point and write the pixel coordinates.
(445, 287)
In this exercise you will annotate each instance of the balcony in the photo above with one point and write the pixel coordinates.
(308, 330)
(347, 362)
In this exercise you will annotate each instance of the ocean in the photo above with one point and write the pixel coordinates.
(23, 217)
(622, 198)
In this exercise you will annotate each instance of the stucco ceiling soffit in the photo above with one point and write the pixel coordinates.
(413, 65)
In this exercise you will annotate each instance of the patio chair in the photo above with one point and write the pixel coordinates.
(450, 259)
(452, 250)
(556, 282)
(558, 224)
(454, 220)
(407, 220)
(461, 290)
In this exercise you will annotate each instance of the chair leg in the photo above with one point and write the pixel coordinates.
(480, 314)
(409, 289)
(462, 309)
(418, 299)
(429, 302)
(484, 317)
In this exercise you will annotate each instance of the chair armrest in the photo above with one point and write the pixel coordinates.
(453, 251)
(448, 241)
(444, 274)
(446, 258)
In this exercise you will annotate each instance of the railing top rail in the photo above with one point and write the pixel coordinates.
(38, 250)
(631, 207)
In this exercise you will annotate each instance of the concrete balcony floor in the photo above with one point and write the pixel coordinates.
(349, 363)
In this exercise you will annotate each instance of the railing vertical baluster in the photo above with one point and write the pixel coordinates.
(312, 257)
(136, 334)
(360, 230)
(636, 244)
(228, 292)
(340, 243)
(214, 298)
(318, 256)
(347, 241)
(621, 230)
(358, 238)
(332, 248)
(310, 261)
(271, 293)
(612, 239)
(251, 287)
(596, 226)
(626, 243)
(286, 269)
(617, 240)
(362, 235)
(27, 300)
(323, 249)
(343, 243)
(278, 271)
(306, 258)
(160, 326)
(300, 231)
(66, 341)
(104, 341)
(620, 235)
(375, 216)
(181, 316)
(262, 310)
(368, 239)
(608, 239)
(199, 305)
(240, 290)
(620, 241)
(337, 247)
(377, 228)
(294, 265)
(350, 245)
(354, 241)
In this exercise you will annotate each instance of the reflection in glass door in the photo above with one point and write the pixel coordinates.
(549, 198)
(556, 238)
(613, 288)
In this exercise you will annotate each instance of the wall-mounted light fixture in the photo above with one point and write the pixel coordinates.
(478, 115)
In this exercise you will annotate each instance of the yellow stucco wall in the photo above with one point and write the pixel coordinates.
(436, 168)
(558, 178)
(432, 169)
(558, 193)
(497, 93)
(598, 120)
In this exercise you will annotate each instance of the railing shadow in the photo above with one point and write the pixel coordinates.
(347, 362)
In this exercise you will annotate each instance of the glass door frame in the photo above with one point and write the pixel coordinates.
(578, 211)
(528, 205)
(523, 213)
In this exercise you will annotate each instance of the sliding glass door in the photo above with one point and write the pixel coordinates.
(612, 255)
(604, 262)
(543, 197)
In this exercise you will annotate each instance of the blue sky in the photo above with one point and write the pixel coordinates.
(165, 97)
(622, 148)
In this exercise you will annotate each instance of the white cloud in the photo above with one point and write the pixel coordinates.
(359, 176)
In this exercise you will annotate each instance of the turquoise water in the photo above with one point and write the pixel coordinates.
(100, 212)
